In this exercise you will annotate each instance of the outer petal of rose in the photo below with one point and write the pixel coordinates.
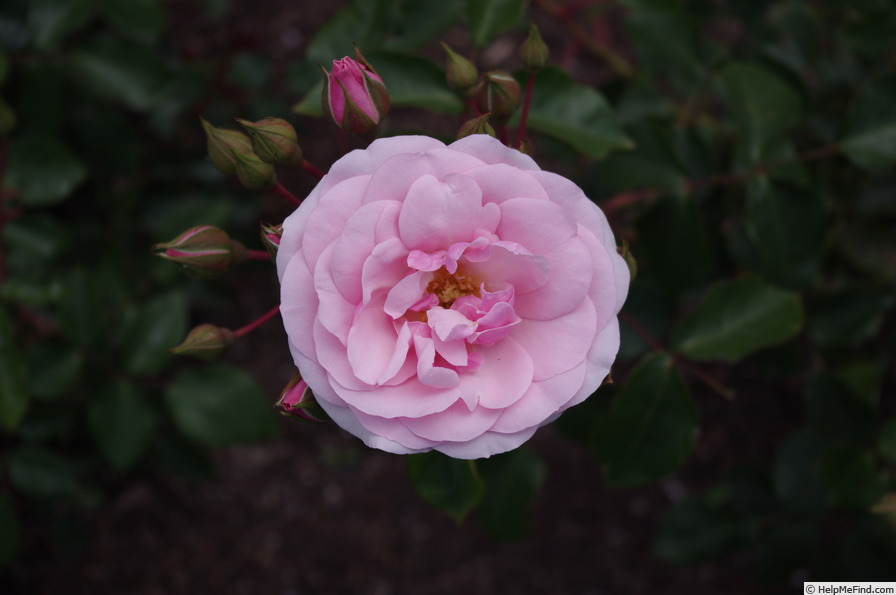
(485, 445)
(298, 304)
(294, 230)
(604, 289)
(348, 421)
(366, 161)
(327, 221)
(542, 400)
(568, 283)
(600, 358)
(331, 354)
(408, 399)
(550, 355)
(334, 312)
(394, 430)
(500, 182)
(384, 268)
(351, 249)
(491, 150)
(393, 179)
(437, 213)
(503, 377)
(456, 423)
(539, 225)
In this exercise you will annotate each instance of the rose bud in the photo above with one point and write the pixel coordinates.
(231, 152)
(534, 53)
(297, 400)
(270, 237)
(460, 73)
(478, 125)
(274, 141)
(354, 95)
(203, 252)
(206, 341)
(498, 93)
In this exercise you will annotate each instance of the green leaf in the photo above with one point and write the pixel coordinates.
(219, 405)
(41, 473)
(43, 170)
(141, 19)
(488, 18)
(737, 318)
(836, 417)
(575, 114)
(870, 137)
(79, 314)
(450, 485)
(9, 532)
(664, 35)
(176, 455)
(783, 233)
(155, 326)
(121, 423)
(50, 20)
(59, 369)
(414, 82)
(132, 75)
(512, 481)
(651, 426)
(364, 22)
(417, 22)
(796, 473)
(847, 317)
(853, 479)
(13, 391)
(764, 105)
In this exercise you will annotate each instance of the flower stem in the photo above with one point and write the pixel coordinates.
(282, 191)
(241, 332)
(308, 167)
(524, 116)
(258, 255)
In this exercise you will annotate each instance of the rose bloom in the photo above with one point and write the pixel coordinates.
(453, 297)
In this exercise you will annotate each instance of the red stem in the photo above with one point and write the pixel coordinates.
(308, 167)
(241, 332)
(282, 191)
(258, 254)
(527, 99)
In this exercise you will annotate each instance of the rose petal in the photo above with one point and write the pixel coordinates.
(571, 269)
(558, 344)
(485, 445)
(491, 150)
(394, 178)
(542, 400)
(539, 225)
(503, 377)
(456, 422)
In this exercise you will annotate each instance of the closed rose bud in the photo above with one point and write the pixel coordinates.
(499, 93)
(354, 95)
(296, 400)
(274, 141)
(478, 125)
(224, 145)
(206, 341)
(534, 53)
(270, 237)
(460, 73)
(204, 251)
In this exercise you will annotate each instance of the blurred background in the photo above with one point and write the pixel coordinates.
(728, 137)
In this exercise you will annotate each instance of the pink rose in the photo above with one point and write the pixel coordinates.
(450, 298)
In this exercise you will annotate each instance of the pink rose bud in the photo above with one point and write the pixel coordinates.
(206, 341)
(460, 73)
(499, 93)
(204, 251)
(270, 237)
(231, 152)
(354, 95)
(478, 125)
(274, 141)
(296, 400)
(534, 53)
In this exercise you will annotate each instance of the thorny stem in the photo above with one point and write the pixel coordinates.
(241, 332)
(633, 197)
(282, 191)
(524, 116)
(655, 345)
(308, 167)
(614, 60)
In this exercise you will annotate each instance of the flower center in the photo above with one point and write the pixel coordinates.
(448, 287)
